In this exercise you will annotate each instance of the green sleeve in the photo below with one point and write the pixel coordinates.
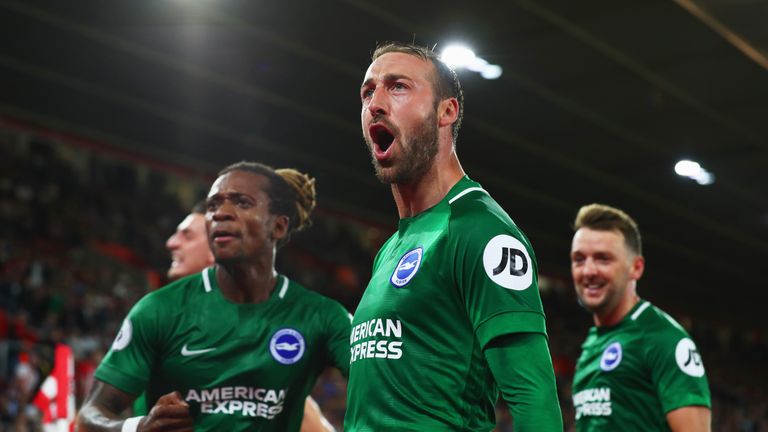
(495, 271)
(339, 328)
(140, 405)
(128, 364)
(677, 371)
(522, 368)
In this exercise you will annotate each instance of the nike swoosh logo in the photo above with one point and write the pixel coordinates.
(188, 352)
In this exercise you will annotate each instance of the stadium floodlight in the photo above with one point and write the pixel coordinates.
(704, 178)
(491, 72)
(461, 57)
(687, 168)
(457, 56)
(477, 65)
(694, 171)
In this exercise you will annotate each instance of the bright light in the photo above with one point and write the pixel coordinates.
(491, 72)
(704, 178)
(694, 171)
(459, 56)
(477, 65)
(687, 168)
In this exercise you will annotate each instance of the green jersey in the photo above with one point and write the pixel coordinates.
(631, 375)
(449, 281)
(238, 366)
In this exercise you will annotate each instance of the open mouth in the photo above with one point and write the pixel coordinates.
(593, 287)
(381, 136)
(222, 234)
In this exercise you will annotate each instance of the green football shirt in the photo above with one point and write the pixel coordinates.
(631, 375)
(239, 366)
(449, 281)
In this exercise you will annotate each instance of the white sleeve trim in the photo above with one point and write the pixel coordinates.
(284, 288)
(673, 321)
(466, 191)
(640, 310)
(207, 280)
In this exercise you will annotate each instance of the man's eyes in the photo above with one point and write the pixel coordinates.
(368, 92)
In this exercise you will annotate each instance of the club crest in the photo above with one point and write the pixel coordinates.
(407, 267)
(287, 346)
(611, 357)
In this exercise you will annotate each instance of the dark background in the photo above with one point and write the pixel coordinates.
(597, 102)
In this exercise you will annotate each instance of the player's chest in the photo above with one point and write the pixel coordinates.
(612, 361)
(240, 347)
(412, 274)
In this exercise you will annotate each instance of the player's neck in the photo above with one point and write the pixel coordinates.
(425, 192)
(615, 316)
(246, 283)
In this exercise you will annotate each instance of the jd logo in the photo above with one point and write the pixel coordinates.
(688, 358)
(694, 359)
(506, 261)
(511, 255)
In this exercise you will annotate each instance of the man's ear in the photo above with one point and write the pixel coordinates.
(447, 112)
(280, 228)
(638, 267)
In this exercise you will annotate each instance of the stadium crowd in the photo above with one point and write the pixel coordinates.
(82, 237)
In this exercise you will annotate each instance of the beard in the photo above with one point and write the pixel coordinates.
(614, 293)
(416, 156)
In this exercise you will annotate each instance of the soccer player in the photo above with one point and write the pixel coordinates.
(238, 346)
(188, 246)
(638, 370)
(452, 312)
(191, 254)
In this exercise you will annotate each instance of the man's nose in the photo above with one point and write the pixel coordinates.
(224, 211)
(589, 267)
(173, 241)
(378, 103)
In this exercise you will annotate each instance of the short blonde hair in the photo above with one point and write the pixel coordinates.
(603, 217)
